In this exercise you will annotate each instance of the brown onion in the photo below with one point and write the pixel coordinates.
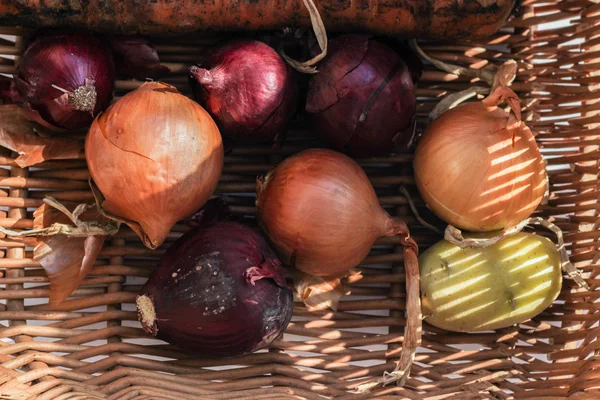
(321, 213)
(322, 216)
(479, 167)
(156, 157)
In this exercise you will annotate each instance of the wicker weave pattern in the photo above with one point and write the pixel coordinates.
(83, 349)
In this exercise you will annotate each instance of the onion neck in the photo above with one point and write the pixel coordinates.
(205, 77)
(413, 328)
(267, 269)
(394, 226)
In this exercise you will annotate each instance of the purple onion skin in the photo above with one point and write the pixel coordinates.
(248, 89)
(136, 57)
(362, 100)
(219, 291)
(65, 60)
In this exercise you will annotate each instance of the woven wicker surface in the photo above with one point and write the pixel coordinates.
(92, 347)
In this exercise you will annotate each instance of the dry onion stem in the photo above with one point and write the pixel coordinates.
(413, 329)
(454, 236)
(505, 76)
(486, 74)
(80, 228)
(308, 67)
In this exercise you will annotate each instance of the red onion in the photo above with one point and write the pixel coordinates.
(363, 99)
(64, 79)
(218, 291)
(248, 89)
(136, 57)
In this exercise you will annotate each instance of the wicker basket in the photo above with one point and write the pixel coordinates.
(92, 347)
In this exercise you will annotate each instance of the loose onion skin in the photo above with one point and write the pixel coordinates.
(156, 157)
(219, 290)
(248, 89)
(362, 100)
(479, 167)
(64, 79)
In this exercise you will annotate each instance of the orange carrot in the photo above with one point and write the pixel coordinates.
(433, 19)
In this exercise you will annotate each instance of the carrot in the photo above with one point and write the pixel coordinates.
(433, 19)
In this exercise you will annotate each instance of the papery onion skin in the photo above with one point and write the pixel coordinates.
(480, 169)
(248, 89)
(219, 290)
(77, 63)
(362, 100)
(156, 157)
(320, 212)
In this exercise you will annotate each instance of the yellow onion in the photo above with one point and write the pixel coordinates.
(479, 167)
(321, 214)
(156, 157)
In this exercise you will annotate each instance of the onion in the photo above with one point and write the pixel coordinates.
(249, 90)
(218, 291)
(64, 79)
(156, 157)
(322, 216)
(363, 99)
(136, 57)
(320, 203)
(479, 167)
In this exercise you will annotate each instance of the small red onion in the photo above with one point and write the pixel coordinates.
(248, 89)
(136, 57)
(65, 79)
(219, 290)
(362, 100)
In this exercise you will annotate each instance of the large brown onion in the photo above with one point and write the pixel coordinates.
(156, 157)
(321, 214)
(479, 167)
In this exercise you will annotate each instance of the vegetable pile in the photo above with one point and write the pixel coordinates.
(155, 158)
